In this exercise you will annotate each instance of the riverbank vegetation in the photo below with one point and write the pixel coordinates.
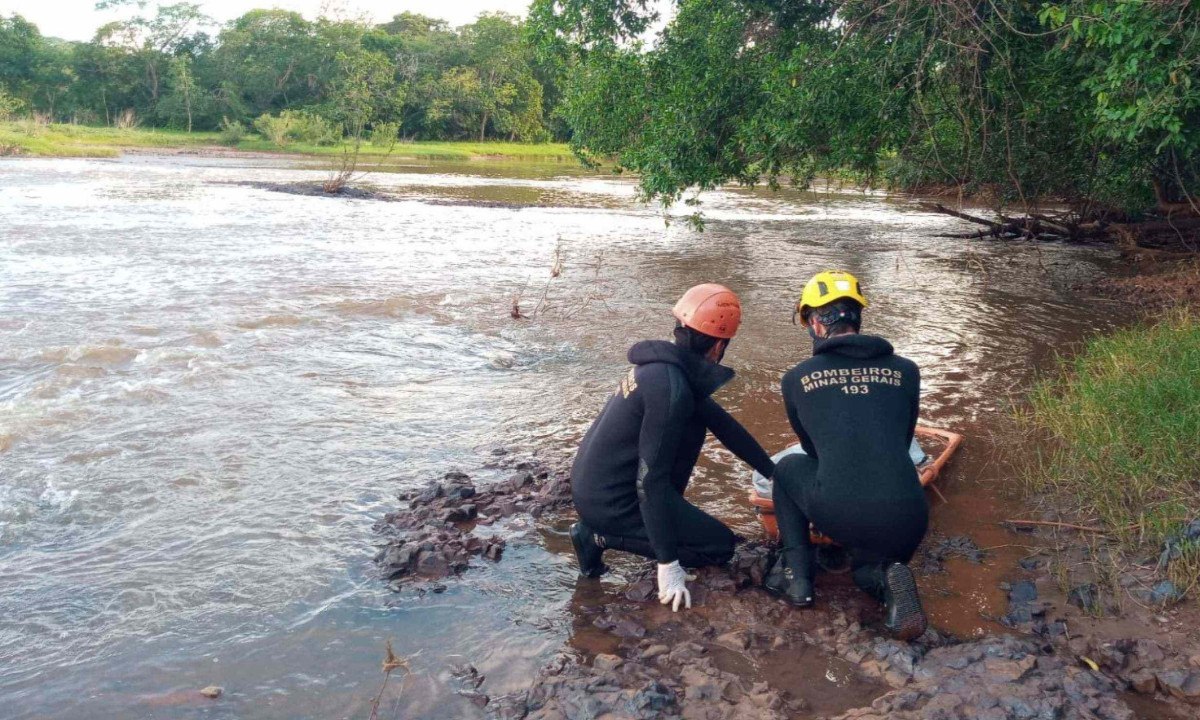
(26, 137)
(1094, 105)
(169, 66)
(1122, 420)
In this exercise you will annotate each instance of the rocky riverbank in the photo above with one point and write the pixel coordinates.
(741, 653)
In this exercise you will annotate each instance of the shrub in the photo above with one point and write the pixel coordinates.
(297, 126)
(9, 105)
(385, 134)
(232, 132)
(127, 120)
(275, 128)
(313, 129)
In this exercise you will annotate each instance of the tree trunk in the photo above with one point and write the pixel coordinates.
(483, 127)
(152, 73)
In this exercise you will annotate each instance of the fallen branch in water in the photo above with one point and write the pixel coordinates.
(1033, 226)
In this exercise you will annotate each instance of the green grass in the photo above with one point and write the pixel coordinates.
(29, 138)
(26, 138)
(427, 149)
(1124, 420)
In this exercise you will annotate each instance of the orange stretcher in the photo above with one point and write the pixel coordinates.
(939, 446)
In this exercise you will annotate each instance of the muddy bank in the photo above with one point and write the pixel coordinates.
(1155, 284)
(741, 653)
(1123, 617)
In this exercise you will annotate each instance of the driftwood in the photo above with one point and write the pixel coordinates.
(1034, 226)
(1174, 233)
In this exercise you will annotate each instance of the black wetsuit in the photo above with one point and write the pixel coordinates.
(634, 463)
(854, 407)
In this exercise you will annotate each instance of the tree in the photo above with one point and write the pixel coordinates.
(162, 67)
(265, 61)
(154, 38)
(1080, 101)
(21, 48)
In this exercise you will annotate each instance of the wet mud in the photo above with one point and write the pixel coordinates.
(1133, 626)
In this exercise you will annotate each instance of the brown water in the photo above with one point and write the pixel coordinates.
(208, 394)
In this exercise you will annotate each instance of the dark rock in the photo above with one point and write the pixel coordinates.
(1143, 682)
(1165, 592)
(654, 699)
(1085, 597)
(1181, 684)
(1009, 670)
(735, 640)
(432, 563)
(476, 697)
(428, 495)
(933, 554)
(641, 591)
(629, 628)
(1030, 563)
(1018, 616)
(462, 513)
(654, 651)
(1148, 651)
(460, 492)
(1023, 592)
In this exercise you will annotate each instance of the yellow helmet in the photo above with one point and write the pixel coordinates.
(825, 287)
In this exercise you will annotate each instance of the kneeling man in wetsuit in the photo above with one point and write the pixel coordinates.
(853, 405)
(634, 463)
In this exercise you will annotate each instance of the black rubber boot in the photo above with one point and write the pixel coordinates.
(903, 614)
(870, 578)
(587, 551)
(792, 577)
(775, 582)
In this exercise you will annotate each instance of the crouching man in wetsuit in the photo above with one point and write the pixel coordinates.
(853, 405)
(633, 465)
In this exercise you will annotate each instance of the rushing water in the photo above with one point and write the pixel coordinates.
(209, 392)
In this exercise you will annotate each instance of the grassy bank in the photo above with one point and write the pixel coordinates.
(1124, 422)
(26, 138)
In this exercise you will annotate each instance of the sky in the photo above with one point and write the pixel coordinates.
(78, 19)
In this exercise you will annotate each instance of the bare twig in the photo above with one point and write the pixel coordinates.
(390, 662)
(1056, 525)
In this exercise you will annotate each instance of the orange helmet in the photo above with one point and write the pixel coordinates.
(711, 309)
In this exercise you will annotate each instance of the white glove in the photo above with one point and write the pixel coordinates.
(672, 586)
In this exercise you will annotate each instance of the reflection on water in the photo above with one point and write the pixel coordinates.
(208, 393)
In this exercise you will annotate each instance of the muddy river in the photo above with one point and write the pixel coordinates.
(209, 392)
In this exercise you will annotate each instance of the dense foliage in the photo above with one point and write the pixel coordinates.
(173, 68)
(1093, 102)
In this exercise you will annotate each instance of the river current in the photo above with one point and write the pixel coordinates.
(210, 391)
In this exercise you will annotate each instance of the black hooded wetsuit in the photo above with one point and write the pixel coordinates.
(854, 407)
(634, 463)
